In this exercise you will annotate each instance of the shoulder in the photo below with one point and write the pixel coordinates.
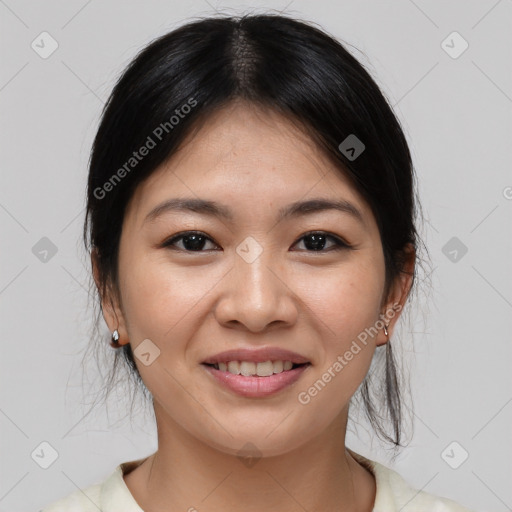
(395, 493)
(86, 500)
(107, 496)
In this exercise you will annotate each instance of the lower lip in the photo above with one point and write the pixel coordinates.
(257, 387)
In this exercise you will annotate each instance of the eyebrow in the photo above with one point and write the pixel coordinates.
(214, 209)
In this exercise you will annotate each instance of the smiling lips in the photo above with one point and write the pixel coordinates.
(256, 372)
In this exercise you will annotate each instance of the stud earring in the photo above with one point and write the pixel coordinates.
(115, 339)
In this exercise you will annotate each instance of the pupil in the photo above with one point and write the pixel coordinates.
(194, 242)
(317, 242)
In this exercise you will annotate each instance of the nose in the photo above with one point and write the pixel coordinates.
(256, 296)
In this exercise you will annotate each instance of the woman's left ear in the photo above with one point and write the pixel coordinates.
(397, 296)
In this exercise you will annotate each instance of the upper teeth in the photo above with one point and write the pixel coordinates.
(248, 368)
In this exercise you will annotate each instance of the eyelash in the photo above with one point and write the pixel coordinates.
(339, 243)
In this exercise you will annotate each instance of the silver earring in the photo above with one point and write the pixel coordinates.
(386, 331)
(115, 338)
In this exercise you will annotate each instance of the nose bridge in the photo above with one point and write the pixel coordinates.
(256, 296)
(255, 280)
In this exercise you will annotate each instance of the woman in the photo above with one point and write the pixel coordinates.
(251, 214)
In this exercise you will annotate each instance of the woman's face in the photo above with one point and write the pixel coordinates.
(254, 282)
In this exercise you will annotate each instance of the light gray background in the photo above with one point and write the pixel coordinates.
(456, 114)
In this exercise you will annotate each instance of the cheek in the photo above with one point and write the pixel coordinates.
(158, 296)
(345, 305)
(160, 303)
(346, 300)
(345, 308)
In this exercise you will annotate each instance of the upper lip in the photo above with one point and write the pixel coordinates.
(259, 355)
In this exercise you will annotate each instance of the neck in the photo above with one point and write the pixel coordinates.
(186, 474)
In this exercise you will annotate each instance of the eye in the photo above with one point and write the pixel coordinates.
(195, 241)
(316, 241)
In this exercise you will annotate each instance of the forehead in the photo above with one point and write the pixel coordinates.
(243, 155)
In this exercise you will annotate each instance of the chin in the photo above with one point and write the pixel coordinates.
(258, 440)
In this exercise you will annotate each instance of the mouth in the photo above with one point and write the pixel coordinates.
(256, 372)
(251, 379)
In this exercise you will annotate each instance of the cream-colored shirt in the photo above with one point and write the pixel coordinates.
(393, 494)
